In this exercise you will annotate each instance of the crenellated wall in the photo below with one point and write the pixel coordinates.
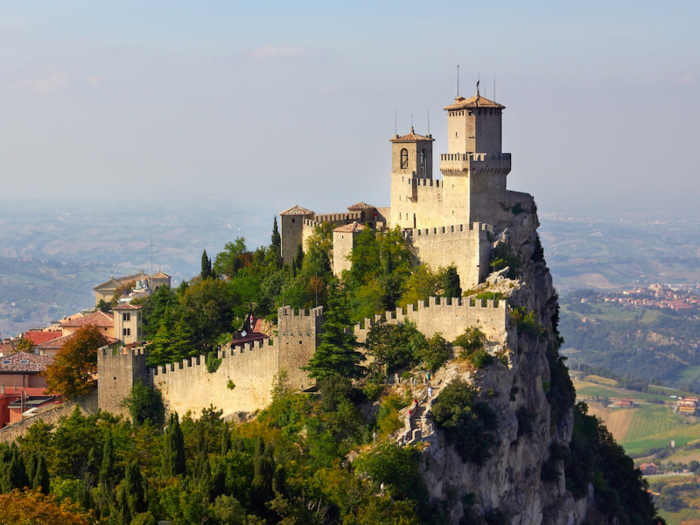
(449, 317)
(251, 369)
(467, 247)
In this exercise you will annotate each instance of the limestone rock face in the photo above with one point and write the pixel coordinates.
(510, 479)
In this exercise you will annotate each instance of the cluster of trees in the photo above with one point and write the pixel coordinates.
(202, 313)
(287, 466)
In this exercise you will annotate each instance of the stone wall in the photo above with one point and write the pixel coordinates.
(449, 317)
(242, 383)
(88, 405)
(117, 372)
(467, 247)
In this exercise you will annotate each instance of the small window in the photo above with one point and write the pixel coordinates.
(293, 220)
(24, 362)
(424, 162)
(126, 317)
(404, 159)
(7, 362)
(115, 378)
(299, 342)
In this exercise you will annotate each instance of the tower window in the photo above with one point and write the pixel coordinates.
(424, 162)
(404, 159)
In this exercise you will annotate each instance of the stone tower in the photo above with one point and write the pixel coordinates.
(292, 230)
(411, 163)
(474, 168)
(343, 244)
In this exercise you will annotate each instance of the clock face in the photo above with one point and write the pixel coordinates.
(244, 333)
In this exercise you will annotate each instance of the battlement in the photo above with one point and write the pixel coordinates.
(448, 316)
(121, 352)
(197, 364)
(455, 228)
(419, 181)
(456, 164)
(288, 311)
(339, 219)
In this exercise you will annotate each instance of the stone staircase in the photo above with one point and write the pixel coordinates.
(418, 423)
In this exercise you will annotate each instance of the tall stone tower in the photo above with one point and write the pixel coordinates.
(411, 162)
(293, 230)
(474, 169)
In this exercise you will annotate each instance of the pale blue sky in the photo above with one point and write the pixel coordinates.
(293, 103)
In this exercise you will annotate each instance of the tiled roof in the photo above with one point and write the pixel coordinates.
(99, 319)
(477, 101)
(24, 362)
(161, 275)
(352, 228)
(297, 210)
(116, 283)
(411, 137)
(128, 306)
(38, 337)
(361, 206)
(57, 344)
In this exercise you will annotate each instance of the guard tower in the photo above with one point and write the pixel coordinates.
(474, 169)
(411, 163)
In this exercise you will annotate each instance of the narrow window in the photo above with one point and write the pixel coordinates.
(424, 162)
(404, 159)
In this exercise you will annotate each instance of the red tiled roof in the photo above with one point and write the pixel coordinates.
(411, 137)
(99, 319)
(128, 306)
(350, 228)
(16, 362)
(477, 101)
(57, 344)
(38, 337)
(297, 210)
(362, 206)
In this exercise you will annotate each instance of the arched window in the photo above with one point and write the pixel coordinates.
(404, 159)
(424, 162)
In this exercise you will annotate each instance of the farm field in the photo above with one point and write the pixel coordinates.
(649, 425)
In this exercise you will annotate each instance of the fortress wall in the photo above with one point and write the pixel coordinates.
(298, 338)
(343, 243)
(341, 219)
(117, 372)
(308, 227)
(189, 386)
(419, 196)
(468, 249)
(451, 317)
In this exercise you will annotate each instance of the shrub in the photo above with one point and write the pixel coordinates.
(502, 257)
(212, 362)
(527, 323)
(485, 296)
(481, 358)
(230, 384)
(334, 389)
(145, 402)
(388, 417)
(466, 424)
(470, 341)
(435, 354)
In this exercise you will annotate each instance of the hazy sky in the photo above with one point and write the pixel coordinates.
(293, 102)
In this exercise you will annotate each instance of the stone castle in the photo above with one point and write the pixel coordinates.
(447, 222)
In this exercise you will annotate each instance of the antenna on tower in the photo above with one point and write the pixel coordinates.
(151, 255)
(428, 122)
(494, 87)
(457, 81)
(411, 121)
(396, 126)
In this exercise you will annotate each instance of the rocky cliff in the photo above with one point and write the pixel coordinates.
(510, 484)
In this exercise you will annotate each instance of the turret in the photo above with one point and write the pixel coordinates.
(292, 230)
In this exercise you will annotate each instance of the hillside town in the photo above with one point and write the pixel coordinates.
(663, 296)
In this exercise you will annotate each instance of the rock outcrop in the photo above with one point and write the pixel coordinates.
(510, 481)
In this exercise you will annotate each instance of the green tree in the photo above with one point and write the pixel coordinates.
(145, 403)
(395, 345)
(466, 423)
(337, 353)
(41, 476)
(161, 301)
(422, 284)
(451, 284)
(435, 353)
(207, 312)
(103, 306)
(75, 365)
(24, 345)
(134, 487)
(232, 258)
(173, 448)
(502, 257)
(108, 470)
(206, 267)
(276, 239)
